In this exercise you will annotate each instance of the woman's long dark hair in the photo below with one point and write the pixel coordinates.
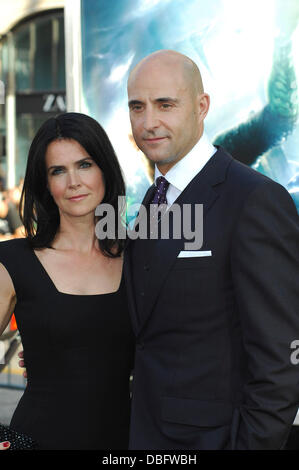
(39, 212)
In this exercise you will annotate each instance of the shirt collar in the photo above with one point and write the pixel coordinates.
(187, 168)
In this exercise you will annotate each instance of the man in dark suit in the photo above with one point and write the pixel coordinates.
(214, 326)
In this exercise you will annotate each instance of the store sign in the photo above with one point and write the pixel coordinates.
(54, 103)
(39, 103)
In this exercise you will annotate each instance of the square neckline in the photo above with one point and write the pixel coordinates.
(43, 269)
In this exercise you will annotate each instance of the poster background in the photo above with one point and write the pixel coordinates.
(248, 54)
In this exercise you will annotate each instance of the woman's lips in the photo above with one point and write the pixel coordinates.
(78, 198)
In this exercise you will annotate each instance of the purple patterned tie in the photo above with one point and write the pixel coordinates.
(161, 189)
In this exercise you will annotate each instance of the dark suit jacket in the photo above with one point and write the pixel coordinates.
(212, 368)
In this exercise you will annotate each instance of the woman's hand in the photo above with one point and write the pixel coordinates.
(4, 445)
(22, 363)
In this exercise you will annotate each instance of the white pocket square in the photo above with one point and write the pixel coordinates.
(193, 254)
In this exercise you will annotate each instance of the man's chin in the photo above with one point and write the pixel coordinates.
(159, 159)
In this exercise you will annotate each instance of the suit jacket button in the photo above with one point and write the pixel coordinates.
(140, 345)
(142, 294)
(146, 267)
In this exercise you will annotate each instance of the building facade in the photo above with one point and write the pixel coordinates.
(32, 70)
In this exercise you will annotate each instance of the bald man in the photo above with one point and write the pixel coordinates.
(215, 324)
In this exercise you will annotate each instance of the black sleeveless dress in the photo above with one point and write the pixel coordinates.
(78, 351)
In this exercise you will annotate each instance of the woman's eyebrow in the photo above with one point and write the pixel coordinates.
(62, 166)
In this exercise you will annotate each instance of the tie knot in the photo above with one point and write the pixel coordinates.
(161, 189)
(162, 183)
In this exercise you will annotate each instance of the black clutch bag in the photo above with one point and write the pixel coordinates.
(18, 441)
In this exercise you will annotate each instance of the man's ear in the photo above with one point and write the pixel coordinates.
(203, 105)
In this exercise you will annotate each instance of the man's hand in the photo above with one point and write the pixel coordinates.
(22, 363)
(4, 445)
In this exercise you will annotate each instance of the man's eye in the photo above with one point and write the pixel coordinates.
(166, 105)
(136, 107)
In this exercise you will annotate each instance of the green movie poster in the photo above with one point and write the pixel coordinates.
(248, 53)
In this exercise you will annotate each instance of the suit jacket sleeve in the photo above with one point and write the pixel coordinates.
(265, 267)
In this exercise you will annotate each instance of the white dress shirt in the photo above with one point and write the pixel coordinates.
(180, 175)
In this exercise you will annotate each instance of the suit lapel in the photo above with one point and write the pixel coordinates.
(201, 190)
(165, 252)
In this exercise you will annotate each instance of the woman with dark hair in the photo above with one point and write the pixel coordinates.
(67, 291)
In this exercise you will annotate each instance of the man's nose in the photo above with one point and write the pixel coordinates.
(150, 120)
